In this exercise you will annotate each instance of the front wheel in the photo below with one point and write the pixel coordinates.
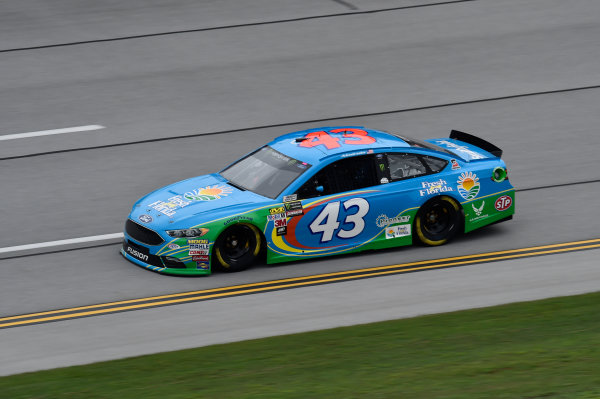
(237, 247)
(438, 221)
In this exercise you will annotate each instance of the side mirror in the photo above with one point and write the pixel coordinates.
(319, 189)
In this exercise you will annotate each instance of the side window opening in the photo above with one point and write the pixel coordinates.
(343, 175)
(435, 164)
(405, 166)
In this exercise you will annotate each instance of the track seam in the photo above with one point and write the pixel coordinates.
(398, 111)
(250, 24)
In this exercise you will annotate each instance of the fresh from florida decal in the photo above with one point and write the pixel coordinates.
(468, 185)
(208, 193)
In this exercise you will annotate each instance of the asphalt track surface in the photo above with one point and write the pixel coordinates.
(183, 90)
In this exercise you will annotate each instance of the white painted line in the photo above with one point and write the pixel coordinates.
(51, 132)
(59, 243)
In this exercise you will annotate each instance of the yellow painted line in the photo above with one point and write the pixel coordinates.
(295, 282)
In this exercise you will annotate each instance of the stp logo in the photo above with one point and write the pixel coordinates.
(503, 203)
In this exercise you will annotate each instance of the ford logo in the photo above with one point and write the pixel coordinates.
(145, 218)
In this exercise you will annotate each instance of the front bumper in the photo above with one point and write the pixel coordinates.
(141, 255)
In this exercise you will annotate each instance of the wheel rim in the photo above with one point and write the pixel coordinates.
(236, 244)
(438, 218)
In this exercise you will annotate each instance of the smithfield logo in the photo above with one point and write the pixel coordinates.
(503, 203)
(468, 185)
(478, 210)
(145, 218)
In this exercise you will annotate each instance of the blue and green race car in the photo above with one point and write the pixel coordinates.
(319, 192)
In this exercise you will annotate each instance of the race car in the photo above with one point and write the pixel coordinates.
(320, 192)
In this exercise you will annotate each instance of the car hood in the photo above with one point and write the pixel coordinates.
(192, 201)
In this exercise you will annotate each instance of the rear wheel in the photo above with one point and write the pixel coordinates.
(438, 221)
(237, 247)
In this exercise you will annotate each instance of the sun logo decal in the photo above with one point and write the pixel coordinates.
(468, 185)
(208, 193)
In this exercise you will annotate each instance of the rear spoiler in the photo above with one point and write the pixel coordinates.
(476, 141)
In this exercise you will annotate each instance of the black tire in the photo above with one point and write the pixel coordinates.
(237, 247)
(438, 221)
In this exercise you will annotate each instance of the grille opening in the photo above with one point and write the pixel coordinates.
(142, 234)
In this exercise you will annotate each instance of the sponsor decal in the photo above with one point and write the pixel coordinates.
(279, 209)
(208, 193)
(503, 203)
(281, 222)
(199, 247)
(162, 207)
(292, 206)
(468, 185)
(237, 219)
(173, 246)
(434, 187)
(352, 154)
(384, 180)
(454, 164)
(290, 198)
(277, 216)
(202, 265)
(295, 212)
(145, 218)
(200, 258)
(461, 149)
(478, 210)
(401, 230)
(382, 220)
(281, 231)
(137, 254)
(369, 151)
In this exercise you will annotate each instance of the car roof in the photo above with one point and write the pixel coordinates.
(290, 146)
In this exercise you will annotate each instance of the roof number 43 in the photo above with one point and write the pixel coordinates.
(350, 135)
(327, 223)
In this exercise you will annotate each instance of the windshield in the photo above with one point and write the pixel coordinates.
(266, 172)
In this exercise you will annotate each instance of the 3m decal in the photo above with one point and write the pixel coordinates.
(434, 187)
(289, 198)
(468, 185)
(382, 220)
(326, 222)
(281, 222)
(351, 136)
(503, 203)
(145, 218)
(279, 209)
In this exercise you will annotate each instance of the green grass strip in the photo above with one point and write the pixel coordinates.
(542, 349)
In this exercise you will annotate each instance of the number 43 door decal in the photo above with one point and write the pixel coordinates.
(327, 222)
